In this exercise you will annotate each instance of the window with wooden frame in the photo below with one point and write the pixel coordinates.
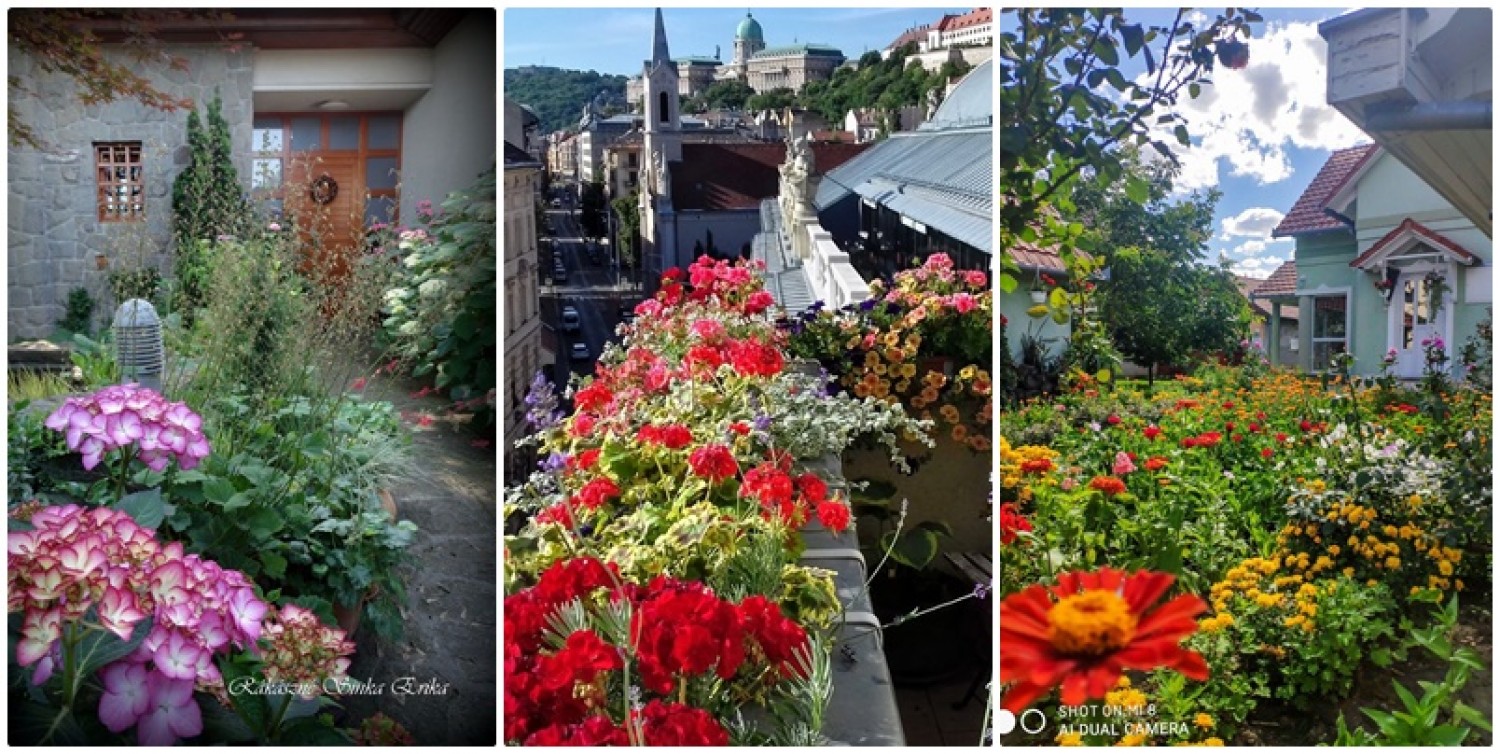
(121, 183)
(374, 137)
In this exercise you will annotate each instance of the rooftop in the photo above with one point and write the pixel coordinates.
(805, 48)
(1307, 215)
(720, 177)
(1282, 283)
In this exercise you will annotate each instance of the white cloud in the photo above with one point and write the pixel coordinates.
(1248, 119)
(1258, 267)
(1254, 222)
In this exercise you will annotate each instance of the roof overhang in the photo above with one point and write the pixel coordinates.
(1411, 240)
(1342, 200)
(288, 28)
(1419, 82)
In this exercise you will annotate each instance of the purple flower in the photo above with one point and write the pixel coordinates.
(762, 423)
(171, 713)
(555, 462)
(126, 695)
(120, 416)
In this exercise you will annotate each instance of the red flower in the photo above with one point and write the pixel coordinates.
(597, 493)
(583, 425)
(1082, 633)
(758, 302)
(772, 487)
(1281, 437)
(594, 398)
(778, 636)
(672, 436)
(597, 730)
(740, 428)
(672, 724)
(1112, 419)
(1155, 463)
(1109, 485)
(753, 358)
(705, 356)
(1012, 523)
(1037, 466)
(1228, 426)
(1306, 425)
(1266, 452)
(584, 460)
(582, 659)
(1151, 432)
(813, 488)
(833, 515)
(714, 463)
(561, 513)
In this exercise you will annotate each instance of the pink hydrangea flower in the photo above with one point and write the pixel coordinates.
(122, 416)
(171, 713)
(126, 695)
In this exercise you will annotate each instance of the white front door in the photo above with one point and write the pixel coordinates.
(1415, 319)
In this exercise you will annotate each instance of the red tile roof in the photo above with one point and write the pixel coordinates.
(1247, 286)
(1283, 282)
(1414, 228)
(1307, 215)
(972, 18)
(916, 34)
(1030, 256)
(718, 177)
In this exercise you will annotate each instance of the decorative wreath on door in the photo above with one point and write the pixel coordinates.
(324, 189)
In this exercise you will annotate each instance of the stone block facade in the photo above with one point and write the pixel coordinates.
(54, 233)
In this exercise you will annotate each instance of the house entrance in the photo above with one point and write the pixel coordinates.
(1418, 316)
(333, 175)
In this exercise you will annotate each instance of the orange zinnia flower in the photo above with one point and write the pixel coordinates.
(1109, 485)
(1097, 627)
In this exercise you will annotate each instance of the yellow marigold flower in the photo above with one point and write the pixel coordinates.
(1458, 584)
(1372, 583)
(1202, 720)
(1123, 683)
(1133, 739)
(1213, 742)
(1349, 572)
(1393, 563)
(1069, 738)
(1334, 550)
(1391, 531)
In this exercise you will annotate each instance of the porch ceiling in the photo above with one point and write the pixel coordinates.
(1456, 164)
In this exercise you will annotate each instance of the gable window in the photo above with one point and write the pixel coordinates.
(121, 185)
(661, 106)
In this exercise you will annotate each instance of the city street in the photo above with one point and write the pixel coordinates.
(590, 289)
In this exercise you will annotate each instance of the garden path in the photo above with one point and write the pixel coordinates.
(451, 588)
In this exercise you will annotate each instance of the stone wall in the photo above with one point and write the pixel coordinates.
(54, 234)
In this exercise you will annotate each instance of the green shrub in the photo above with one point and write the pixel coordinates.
(441, 312)
(80, 314)
(206, 203)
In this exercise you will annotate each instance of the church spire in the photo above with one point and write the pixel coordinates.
(659, 52)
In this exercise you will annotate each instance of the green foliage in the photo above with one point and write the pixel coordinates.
(557, 95)
(207, 203)
(289, 497)
(627, 227)
(773, 99)
(96, 360)
(591, 209)
(731, 94)
(1438, 718)
(1056, 118)
(441, 312)
(142, 283)
(29, 446)
(887, 84)
(80, 312)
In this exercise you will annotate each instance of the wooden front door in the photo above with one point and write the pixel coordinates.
(359, 153)
(325, 199)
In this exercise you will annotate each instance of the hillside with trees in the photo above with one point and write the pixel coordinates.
(887, 84)
(558, 95)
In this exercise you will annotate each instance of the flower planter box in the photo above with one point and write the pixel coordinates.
(863, 709)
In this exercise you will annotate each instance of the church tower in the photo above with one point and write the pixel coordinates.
(662, 114)
(748, 40)
(662, 146)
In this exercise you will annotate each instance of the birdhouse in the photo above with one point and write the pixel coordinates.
(138, 343)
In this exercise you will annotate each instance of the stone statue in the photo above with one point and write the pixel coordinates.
(802, 156)
(659, 175)
(933, 98)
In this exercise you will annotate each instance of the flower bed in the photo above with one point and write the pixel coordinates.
(653, 589)
(1306, 526)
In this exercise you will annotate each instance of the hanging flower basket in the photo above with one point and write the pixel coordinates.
(1038, 296)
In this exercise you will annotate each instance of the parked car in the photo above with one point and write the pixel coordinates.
(570, 320)
(559, 276)
(580, 352)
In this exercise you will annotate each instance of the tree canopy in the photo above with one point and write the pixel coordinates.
(888, 84)
(1066, 105)
(558, 95)
(730, 94)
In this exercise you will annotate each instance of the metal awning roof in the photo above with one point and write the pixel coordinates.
(942, 179)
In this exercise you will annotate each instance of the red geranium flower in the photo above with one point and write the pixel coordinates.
(1152, 432)
(1155, 463)
(714, 463)
(833, 515)
(1082, 633)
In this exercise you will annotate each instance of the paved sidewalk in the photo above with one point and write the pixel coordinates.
(451, 590)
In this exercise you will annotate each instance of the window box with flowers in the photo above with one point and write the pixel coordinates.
(654, 592)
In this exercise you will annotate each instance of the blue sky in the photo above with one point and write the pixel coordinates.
(1259, 134)
(617, 40)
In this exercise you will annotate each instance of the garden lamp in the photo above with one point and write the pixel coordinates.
(138, 343)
